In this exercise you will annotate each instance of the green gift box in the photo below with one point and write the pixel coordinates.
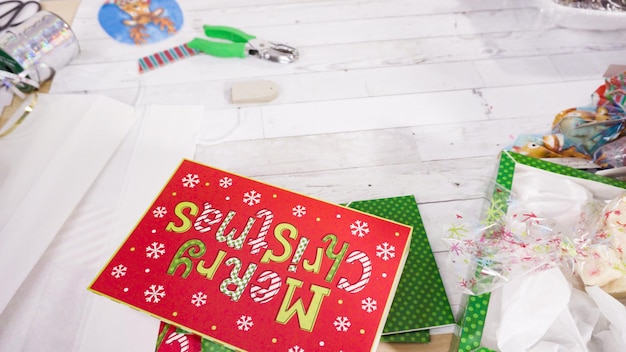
(469, 331)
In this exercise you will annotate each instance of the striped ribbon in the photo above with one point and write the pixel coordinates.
(165, 57)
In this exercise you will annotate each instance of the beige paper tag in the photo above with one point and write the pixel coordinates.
(260, 91)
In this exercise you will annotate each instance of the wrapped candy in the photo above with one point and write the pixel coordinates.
(602, 261)
(582, 132)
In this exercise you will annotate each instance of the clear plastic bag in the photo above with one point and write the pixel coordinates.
(517, 236)
(601, 259)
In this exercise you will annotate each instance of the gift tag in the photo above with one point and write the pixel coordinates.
(140, 21)
(260, 91)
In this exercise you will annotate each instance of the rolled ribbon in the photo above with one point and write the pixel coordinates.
(42, 44)
(14, 82)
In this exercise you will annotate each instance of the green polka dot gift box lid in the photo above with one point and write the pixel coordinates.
(470, 327)
(420, 301)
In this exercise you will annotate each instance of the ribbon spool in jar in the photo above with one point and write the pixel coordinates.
(39, 46)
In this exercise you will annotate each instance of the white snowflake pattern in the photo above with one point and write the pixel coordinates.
(342, 323)
(155, 250)
(385, 251)
(299, 211)
(251, 198)
(191, 180)
(199, 299)
(118, 271)
(369, 304)
(154, 294)
(295, 348)
(159, 212)
(226, 182)
(359, 228)
(245, 323)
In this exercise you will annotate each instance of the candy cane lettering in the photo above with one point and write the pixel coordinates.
(263, 295)
(240, 283)
(337, 257)
(365, 274)
(306, 318)
(179, 211)
(196, 250)
(210, 271)
(233, 243)
(304, 242)
(278, 233)
(209, 216)
(316, 266)
(259, 242)
(182, 340)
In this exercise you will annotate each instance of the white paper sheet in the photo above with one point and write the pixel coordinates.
(168, 135)
(53, 309)
(46, 167)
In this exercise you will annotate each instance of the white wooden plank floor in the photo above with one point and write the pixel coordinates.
(388, 97)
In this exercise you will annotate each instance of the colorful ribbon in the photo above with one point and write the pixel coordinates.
(165, 57)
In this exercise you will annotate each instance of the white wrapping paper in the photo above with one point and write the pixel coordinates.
(53, 310)
(47, 165)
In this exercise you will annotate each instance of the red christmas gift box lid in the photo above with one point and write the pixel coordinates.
(256, 267)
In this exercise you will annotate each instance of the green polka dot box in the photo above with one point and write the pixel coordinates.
(470, 326)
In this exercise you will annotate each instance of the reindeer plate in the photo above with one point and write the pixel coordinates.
(140, 21)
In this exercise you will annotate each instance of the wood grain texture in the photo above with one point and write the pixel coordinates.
(388, 98)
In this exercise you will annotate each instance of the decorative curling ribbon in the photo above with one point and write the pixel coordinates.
(27, 110)
(366, 262)
(165, 57)
(13, 82)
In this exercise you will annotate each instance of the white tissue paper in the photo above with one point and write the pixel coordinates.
(556, 198)
(546, 313)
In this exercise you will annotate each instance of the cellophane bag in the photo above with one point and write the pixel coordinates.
(601, 258)
(520, 234)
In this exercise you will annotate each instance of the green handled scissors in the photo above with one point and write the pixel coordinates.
(241, 45)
